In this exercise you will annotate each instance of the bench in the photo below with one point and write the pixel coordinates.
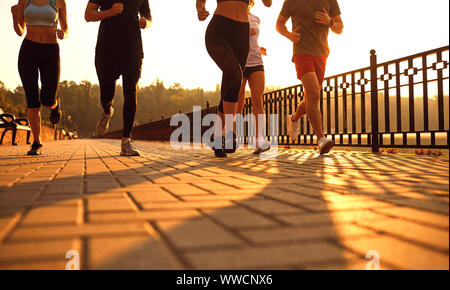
(10, 123)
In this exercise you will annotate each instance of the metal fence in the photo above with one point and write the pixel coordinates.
(402, 103)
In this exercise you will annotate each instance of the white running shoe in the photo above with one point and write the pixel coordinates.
(292, 128)
(262, 146)
(103, 123)
(325, 145)
(128, 149)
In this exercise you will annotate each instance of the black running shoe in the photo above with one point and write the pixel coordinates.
(35, 149)
(217, 147)
(55, 114)
(220, 153)
(230, 143)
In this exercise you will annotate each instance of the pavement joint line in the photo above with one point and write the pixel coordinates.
(172, 248)
(12, 225)
(404, 239)
(266, 215)
(423, 223)
(207, 190)
(44, 188)
(81, 218)
(228, 229)
(360, 255)
(173, 194)
(229, 185)
(287, 203)
(132, 202)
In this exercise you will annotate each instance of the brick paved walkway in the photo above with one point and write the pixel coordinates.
(185, 210)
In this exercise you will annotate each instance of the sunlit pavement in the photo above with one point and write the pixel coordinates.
(186, 210)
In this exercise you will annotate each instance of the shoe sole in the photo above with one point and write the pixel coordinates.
(224, 155)
(259, 150)
(326, 149)
(124, 154)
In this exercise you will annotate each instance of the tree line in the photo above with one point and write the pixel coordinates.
(81, 107)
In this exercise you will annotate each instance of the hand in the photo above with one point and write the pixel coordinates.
(60, 34)
(14, 9)
(143, 23)
(295, 36)
(202, 14)
(116, 9)
(263, 51)
(322, 17)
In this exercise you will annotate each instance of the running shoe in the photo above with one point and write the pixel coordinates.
(128, 149)
(103, 123)
(292, 128)
(35, 149)
(325, 145)
(55, 114)
(261, 146)
(220, 153)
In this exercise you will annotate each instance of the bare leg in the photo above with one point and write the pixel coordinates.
(312, 95)
(257, 84)
(218, 130)
(230, 109)
(301, 111)
(34, 116)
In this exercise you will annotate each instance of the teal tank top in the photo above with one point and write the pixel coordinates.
(45, 15)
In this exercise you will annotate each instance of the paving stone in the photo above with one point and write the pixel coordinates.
(412, 231)
(268, 257)
(130, 253)
(238, 217)
(400, 254)
(298, 234)
(198, 233)
(185, 209)
(49, 255)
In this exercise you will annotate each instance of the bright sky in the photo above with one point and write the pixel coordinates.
(175, 50)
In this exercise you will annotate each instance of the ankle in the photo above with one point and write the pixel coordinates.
(322, 139)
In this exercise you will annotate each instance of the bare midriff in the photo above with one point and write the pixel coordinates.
(235, 10)
(42, 34)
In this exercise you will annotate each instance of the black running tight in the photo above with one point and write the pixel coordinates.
(109, 68)
(228, 44)
(39, 58)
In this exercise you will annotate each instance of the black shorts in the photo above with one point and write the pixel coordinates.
(249, 70)
(111, 66)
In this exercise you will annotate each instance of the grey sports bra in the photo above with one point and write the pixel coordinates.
(45, 15)
(245, 1)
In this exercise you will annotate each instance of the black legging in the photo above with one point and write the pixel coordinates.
(108, 70)
(39, 58)
(228, 44)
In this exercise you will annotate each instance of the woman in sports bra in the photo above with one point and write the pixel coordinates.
(228, 43)
(39, 54)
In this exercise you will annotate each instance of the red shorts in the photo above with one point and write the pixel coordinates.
(305, 63)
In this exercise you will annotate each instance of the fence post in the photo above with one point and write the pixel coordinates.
(374, 100)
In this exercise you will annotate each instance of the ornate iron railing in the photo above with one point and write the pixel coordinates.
(401, 103)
